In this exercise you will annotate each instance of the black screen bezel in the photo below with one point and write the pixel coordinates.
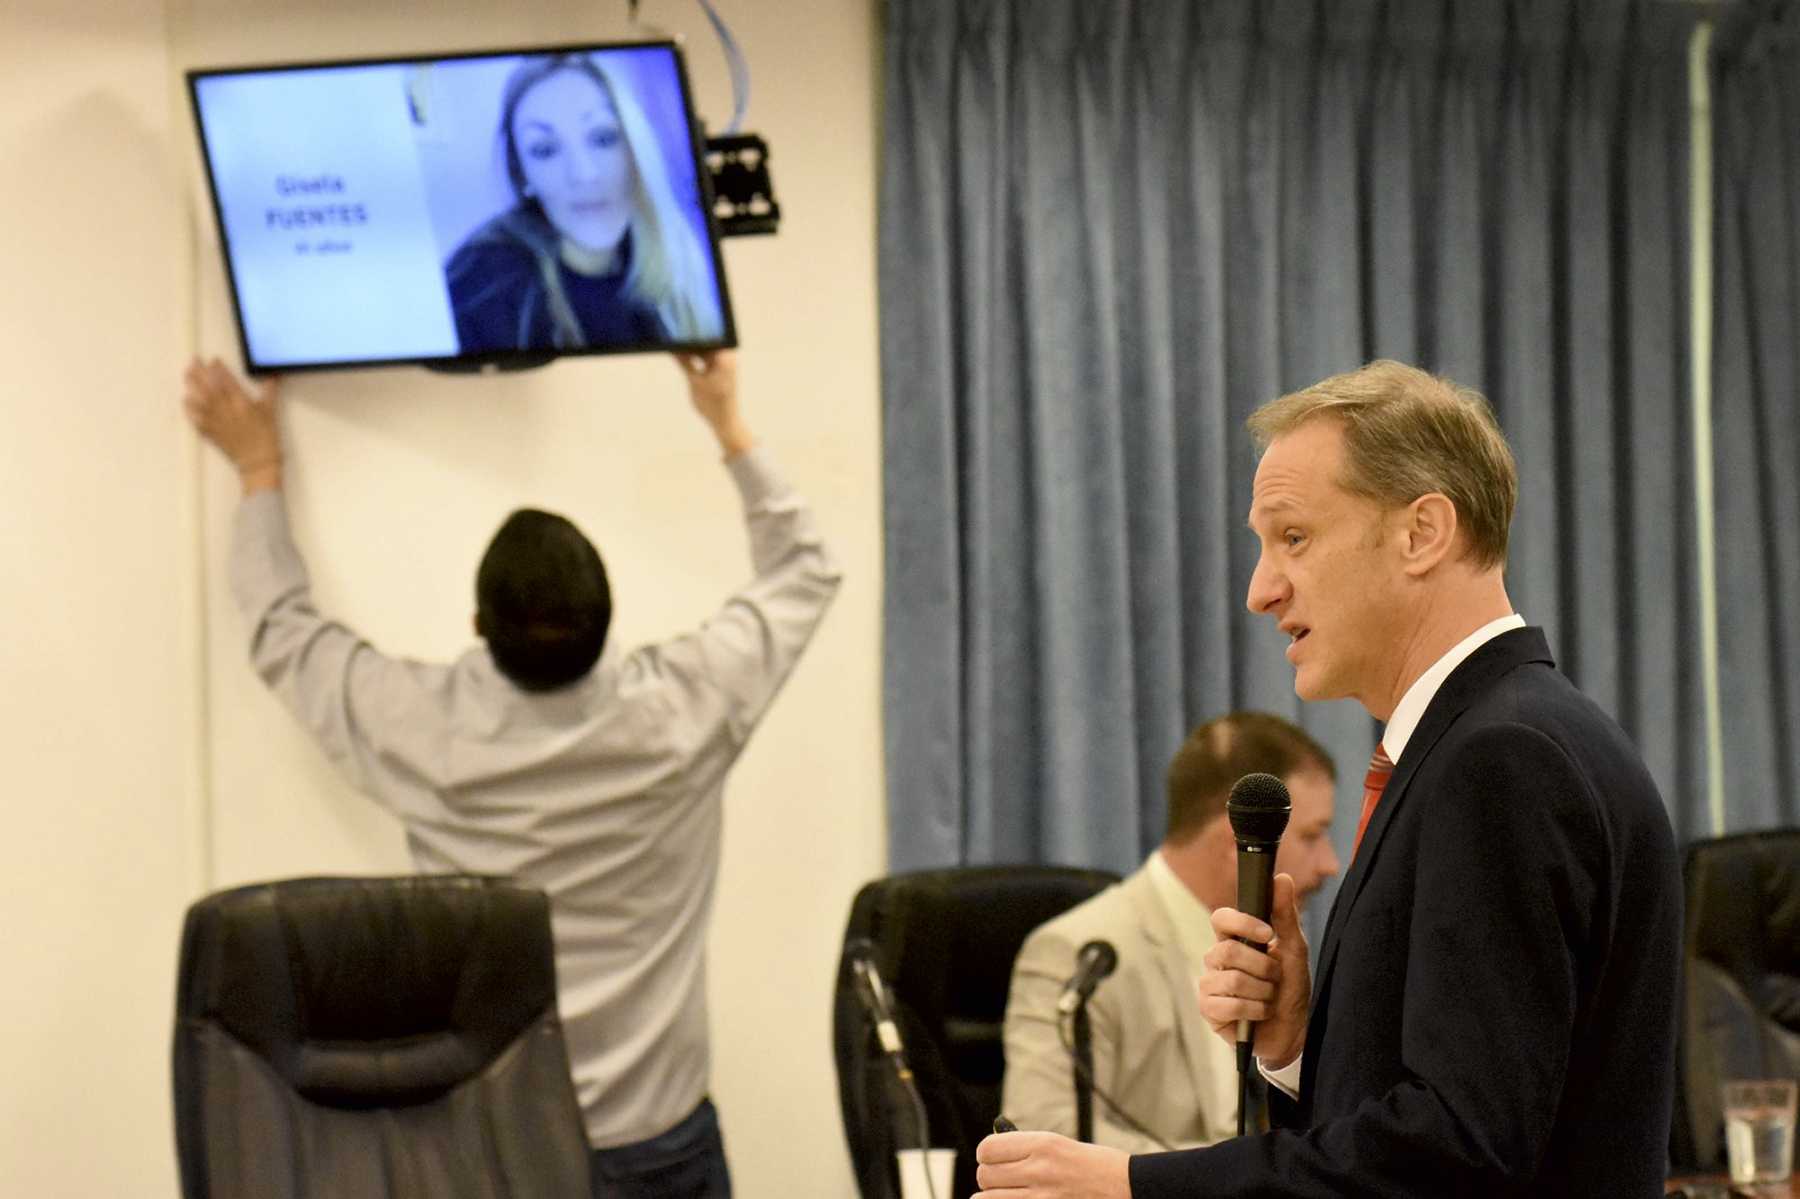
(491, 359)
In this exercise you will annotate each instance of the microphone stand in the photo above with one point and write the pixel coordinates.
(885, 1027)
(1084, 1073)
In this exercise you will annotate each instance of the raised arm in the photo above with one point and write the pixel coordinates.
(712, 386)
(337, 685)
(750, 645)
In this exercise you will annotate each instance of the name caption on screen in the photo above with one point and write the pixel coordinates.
(313, 216)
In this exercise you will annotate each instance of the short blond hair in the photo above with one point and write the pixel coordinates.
(1409, 433)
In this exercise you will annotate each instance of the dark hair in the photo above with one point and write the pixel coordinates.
(542, 601)
(1221, 751)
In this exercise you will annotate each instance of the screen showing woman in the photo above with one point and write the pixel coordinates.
(477, 208)
(595, 249)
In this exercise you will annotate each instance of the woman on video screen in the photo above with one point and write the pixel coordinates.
(596, 252)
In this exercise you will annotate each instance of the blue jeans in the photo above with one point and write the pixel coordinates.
(686, 1162)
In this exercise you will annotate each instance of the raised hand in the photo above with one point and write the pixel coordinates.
(243, 426)
(712, 386)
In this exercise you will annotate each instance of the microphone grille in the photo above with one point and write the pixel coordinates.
(1103, 955)
(1258, 808)
(859, 954)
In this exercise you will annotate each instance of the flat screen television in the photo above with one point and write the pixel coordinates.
(463, 211)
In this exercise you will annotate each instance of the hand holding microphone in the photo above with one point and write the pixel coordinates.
(1245, 986)
(1258, 809)
(1245, 983)
(1271, 989)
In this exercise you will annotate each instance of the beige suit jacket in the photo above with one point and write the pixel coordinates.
(1153, 1052)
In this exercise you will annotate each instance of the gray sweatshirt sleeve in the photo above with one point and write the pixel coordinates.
(343, 690)
(749, 646)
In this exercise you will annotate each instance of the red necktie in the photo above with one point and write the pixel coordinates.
(1380, 768)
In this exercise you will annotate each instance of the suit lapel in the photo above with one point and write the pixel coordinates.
(1192, 1032)
(1480, 671)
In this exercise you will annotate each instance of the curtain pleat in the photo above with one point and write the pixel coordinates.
(1755, 404)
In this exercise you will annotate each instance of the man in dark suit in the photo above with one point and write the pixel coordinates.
(1496, 1001)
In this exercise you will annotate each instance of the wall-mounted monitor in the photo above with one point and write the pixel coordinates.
(466, 210)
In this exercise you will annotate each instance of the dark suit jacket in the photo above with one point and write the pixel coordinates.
(1494, 1012)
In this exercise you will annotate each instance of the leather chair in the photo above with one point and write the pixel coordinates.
(373, 1039)
(1741, 981)
(944, 941)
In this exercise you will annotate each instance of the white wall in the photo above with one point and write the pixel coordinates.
(129, 703)
(93, 711)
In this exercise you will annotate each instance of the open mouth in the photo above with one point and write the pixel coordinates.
(1295, 637)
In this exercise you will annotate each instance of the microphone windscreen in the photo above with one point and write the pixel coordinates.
(1104, 957)
(1258, 809)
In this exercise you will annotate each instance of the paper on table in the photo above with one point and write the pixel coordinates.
(914, 1163)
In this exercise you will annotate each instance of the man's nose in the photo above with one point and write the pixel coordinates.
(1266, 587)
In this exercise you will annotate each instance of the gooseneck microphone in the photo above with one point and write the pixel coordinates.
(1258, 810)
(1096, 960)
(1093, 962)
(873, 996)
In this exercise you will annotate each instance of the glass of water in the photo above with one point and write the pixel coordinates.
(1759, 1130)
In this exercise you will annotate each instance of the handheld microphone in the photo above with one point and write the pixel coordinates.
(1096, 960)
(873, 997)
(1258, 810)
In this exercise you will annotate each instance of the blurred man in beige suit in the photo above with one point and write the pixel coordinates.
(1153, 1052)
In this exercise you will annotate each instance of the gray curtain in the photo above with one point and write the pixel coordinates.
(1755, 405)
(1111, 230)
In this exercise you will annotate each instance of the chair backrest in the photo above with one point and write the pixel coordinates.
(1741, 960)
(373, 1039)
(945, 941)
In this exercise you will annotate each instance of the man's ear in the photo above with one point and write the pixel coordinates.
(1428, 533)
(476, 621)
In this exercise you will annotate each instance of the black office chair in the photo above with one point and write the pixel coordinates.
(944, 940)
(1741, 985)
(373, 1039)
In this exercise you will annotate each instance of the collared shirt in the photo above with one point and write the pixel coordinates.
(1418, 697)
(1191, 919)
(1394, 737)
(1194, 934)
(605, 793)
